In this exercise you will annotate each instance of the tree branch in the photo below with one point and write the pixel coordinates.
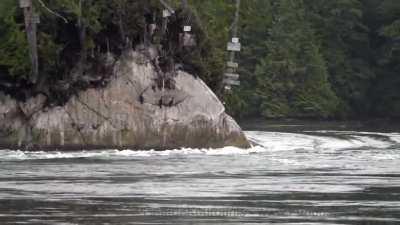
(51, 11)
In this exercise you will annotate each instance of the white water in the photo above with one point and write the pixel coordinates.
(263, 142)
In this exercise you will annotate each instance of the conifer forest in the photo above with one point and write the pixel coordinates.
(322, 59)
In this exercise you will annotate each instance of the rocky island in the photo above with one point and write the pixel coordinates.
(130, 112)
(110, 75)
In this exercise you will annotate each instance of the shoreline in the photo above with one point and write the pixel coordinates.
(383, 125)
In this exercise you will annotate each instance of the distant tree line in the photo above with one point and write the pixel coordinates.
(319, 59)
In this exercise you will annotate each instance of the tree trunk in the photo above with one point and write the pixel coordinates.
(121, 12)
(235, 27)
(184, 4)
(31, 32)
(82, 39)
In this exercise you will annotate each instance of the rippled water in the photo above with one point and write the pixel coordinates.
(318, 177)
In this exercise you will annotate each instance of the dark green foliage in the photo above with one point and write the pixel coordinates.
(14, 55)
(71, 51)
(325, 58)
(292, 77)
(346, 47)
(300, 58)
(385, 91)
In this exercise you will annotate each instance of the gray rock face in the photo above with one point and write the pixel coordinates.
(129, 113)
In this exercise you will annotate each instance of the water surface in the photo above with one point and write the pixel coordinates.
(317, 178)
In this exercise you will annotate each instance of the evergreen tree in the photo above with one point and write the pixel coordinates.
(256, 19)
(346, 48)
(14, 54)
(292, 77)
(385, 92)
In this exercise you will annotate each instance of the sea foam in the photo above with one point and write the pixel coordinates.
(263, 142)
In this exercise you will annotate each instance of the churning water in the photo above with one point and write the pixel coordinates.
(316, 178)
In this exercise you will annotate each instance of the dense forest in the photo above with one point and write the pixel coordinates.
(320, 58)
(300, 58)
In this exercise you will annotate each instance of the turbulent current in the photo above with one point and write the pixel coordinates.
(316, 178)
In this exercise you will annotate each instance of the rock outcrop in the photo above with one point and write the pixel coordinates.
(130, 112)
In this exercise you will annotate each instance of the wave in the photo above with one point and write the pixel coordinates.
(263, 142)
(7, 155)
(327, 140)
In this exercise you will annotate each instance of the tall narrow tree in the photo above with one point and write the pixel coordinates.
(31, 19)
